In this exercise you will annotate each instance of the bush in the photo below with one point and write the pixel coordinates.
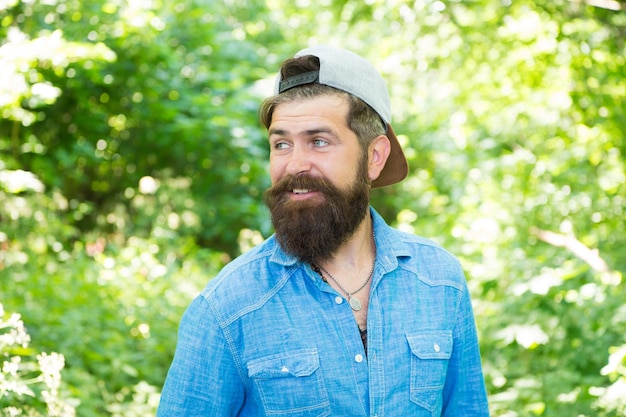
(30, 383)
(109, 303)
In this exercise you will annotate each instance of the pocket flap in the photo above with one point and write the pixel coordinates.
(296, 363)
(431, 344)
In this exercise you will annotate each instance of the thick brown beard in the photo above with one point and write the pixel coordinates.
(313, 230)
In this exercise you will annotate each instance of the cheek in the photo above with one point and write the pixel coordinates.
(275, 170)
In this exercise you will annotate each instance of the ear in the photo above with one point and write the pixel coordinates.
(378, 152)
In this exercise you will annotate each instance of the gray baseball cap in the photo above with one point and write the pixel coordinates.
(349, 72)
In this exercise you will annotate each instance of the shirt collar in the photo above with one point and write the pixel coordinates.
(389, 246)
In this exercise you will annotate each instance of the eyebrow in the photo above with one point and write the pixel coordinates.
(309, 132)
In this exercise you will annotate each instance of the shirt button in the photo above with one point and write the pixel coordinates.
(436, 347)
(338, 300)
(358, 358)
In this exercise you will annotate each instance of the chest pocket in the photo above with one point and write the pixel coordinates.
(430, 354)
(290, 384)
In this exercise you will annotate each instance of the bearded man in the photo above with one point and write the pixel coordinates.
(336, 313)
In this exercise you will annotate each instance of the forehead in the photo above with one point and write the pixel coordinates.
(332, 109)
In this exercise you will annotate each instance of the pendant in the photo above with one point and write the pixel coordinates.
(355, 303)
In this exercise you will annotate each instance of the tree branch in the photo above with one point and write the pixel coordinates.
(604, 4)
(590, 256)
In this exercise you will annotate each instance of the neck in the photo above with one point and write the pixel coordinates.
(358, 251)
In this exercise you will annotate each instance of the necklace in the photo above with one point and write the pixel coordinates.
(354, 302)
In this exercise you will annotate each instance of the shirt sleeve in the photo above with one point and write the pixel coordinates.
(464, 392)
(203, 378)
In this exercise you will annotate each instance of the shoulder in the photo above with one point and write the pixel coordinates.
(426, 249)
(245, 283)
(423, 257)
(402, 244)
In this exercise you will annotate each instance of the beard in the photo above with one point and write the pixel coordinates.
(313, 229)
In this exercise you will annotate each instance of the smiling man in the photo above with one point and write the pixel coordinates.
(336, 313)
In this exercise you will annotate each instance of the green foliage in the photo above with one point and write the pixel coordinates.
(169, 95)
(30, 383)
(110, 304)
(132, 168)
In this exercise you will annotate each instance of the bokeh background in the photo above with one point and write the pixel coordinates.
(132, 166)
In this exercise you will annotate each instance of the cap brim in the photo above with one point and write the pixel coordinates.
(396, 168)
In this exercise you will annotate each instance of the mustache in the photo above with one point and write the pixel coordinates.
(291, 182)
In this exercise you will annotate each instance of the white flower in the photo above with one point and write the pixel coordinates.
(15, 373)
(16, 386)
(56, 406)
(11, 412)
(11, 368)
(51, 366)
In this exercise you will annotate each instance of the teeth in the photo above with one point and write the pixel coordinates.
(300, 191)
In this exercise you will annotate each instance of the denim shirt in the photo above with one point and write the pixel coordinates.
(268, 337)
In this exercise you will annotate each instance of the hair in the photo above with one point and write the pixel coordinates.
(362, 119)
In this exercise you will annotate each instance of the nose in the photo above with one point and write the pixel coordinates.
(299, 161)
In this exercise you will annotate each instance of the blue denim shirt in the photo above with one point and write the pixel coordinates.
(268, 337)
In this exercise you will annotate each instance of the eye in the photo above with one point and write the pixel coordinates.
(320, 143)
(280, 145)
